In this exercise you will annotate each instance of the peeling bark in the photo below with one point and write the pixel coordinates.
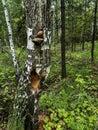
(40, 38)
(37, 65)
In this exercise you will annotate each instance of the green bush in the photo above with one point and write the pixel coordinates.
(70, 105)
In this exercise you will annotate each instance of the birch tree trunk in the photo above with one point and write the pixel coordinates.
(37, 66)
(10, 38)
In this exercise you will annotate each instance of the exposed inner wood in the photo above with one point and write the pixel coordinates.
(35, 80)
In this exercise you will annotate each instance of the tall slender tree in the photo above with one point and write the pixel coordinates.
(84, 31)
(94, 31)
(63, 39)
(10, 37)
(56, 21)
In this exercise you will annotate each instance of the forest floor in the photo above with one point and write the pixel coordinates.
(71, 103)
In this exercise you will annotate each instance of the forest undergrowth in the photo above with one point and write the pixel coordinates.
(72, 103)
(69, 104)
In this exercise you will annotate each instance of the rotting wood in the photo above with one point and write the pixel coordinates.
(35, 81)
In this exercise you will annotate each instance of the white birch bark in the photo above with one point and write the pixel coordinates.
(10, 37)
(38, 57)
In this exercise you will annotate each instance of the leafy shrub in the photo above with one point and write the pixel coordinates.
(70, 106)
(7, 90)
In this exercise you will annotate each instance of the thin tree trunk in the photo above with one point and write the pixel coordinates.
(53, 24)
(94, 31)
(72, 30)
(10, 38)
(63, 39)
(84, 28)
(56, 22)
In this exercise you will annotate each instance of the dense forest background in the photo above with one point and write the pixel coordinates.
(69, 103)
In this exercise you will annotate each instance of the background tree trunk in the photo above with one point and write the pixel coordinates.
(84, 27)
(63, 38)
(56, 22)
(10, 38)
(94, 31)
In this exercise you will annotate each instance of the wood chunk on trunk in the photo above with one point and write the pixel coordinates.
(37, 40)
(40, 34)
